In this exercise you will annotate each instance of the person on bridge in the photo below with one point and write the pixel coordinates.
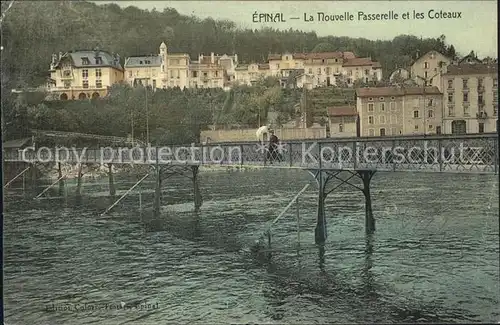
(273, 147)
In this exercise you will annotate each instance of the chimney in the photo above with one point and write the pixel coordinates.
(417, 55)
(236, 58)
(200, 57)
(212, 57)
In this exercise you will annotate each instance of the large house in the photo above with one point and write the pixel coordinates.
(399, 111)
(166, 70)
(428, 69)
(83, 74)
(471, 98)
(313, 70)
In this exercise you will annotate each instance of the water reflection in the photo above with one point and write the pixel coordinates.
(367, 275)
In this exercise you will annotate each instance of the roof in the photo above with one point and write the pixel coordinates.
(396, 91)
(342, 111)
(322, 55)
(263, 66)
(471, 69)
(319, 55)
(17, 143)
(140, 61)
(356, 62)
(108, 60)
(243, 67)
(430, 52)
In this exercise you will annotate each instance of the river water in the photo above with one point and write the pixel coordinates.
(433, 258)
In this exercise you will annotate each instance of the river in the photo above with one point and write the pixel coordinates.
(433, 257)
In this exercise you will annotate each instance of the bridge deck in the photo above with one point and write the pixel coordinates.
(458, 154)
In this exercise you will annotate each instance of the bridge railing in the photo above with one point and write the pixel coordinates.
(476, 153)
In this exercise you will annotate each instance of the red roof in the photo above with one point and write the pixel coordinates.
(356, 62)
(342, 111)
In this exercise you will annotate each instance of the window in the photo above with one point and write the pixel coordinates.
(430, 127)
(216, 73)
(415, 114)
(425, 75)
(67, 84)
(394, 119)
(319, 70)
(328, 70)
(349, 73)
(416, 127)
(451, 111)
(466, 97)
(85, 74)
(85, 84)
(371, 132)
(98, 60)
(393, 98)
(481, 127)
(370, 99)
(393, 106)
(130, 74)
(382, 119)
(370, 107)
(67, 73)
(480, 82)
(450, 84)
(495, 109)
(480, 99)
(381, 99)
(426, 65)
(430, 81)
(393, 131)
(367, 72)
(85, 61)
(430, 113)
(341, 128)
(98, 83)
(464, 83)
(370, 119)
(98, 73)
(450, 98)
(310, 70)
(495, 82)
(154, 83)
(382, 132)
(382, 107)
(466, 110)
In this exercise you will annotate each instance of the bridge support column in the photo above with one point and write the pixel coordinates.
(79, 180)
(198, 200)
(112, 189)
(366, 176)
(61, 179)
(320, 232)
(157, 202)
(33, 175)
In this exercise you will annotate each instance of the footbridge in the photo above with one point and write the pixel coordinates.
(355, 159)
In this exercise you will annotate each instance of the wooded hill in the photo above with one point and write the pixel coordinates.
(33, 30)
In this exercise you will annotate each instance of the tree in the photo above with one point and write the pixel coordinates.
(323, 47)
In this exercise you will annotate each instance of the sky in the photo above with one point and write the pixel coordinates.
(476, 29)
